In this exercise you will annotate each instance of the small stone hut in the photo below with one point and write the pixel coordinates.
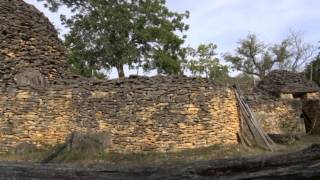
(281, 100)
(288, 85)
(29, 47)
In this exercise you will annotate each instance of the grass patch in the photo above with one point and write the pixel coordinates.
(88, 156)
(208, 153)
(212, 152)
(31, 155)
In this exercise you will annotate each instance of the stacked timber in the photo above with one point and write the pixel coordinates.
(251, 131)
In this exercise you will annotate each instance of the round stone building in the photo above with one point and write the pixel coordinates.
(30, 50)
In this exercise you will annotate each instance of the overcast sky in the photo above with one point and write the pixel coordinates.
(224, 22)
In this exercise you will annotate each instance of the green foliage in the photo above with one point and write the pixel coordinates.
(256, 58)
(283, 54)
(82, 68)
(252, 57)
(54, 5)
(203, 62)
(313, 70)
(246, 82)
(106, 34)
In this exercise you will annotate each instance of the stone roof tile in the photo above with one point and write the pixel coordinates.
(281, 81)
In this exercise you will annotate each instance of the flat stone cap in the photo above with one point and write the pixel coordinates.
(281, 81)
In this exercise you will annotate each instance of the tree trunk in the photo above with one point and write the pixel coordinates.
(311, 73)
(120, 71)
(254, 81)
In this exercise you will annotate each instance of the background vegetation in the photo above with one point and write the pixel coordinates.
(145, 34)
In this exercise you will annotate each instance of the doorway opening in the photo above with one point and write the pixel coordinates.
(307, 121)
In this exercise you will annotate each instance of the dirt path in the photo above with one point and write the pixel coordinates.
(304, 164)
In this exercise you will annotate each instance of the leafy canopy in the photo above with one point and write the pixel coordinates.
(252, 57)
(256, 58)
(313, 70)
(203, 61)
(113, 33)
(54, 5)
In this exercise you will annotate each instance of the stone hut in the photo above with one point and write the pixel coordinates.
(30, 52)
(281, 101)
(288, 85)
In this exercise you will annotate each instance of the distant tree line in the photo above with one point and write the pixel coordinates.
(313, 70)
(255, 57)
(145, 34)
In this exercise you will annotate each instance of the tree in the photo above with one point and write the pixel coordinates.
(256, 58)
(295, 52)
(203, 62)
(84, 69)
(313, 70)
(246, 82)
(115, 33)
(54, 5)
(252, 57)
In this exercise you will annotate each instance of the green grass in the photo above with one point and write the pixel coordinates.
(83, 156)
(213, 152)
(31, 156)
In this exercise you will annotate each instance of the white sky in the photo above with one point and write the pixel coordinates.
(224, 22)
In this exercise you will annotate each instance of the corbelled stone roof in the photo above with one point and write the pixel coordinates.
(28, 41)
(281, 81)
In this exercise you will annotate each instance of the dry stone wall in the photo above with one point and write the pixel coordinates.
(42, 105)
(139, 113)
(278, 116)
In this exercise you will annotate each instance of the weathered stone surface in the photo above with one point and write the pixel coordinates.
(280, 100)
(278, 116)
(28, 40)
(32, 78)
(41, 104)
(280, 81)
(141, 113)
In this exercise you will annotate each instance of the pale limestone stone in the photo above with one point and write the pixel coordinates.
(286, 96)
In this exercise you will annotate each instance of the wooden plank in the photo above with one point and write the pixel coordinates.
(249, 120)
